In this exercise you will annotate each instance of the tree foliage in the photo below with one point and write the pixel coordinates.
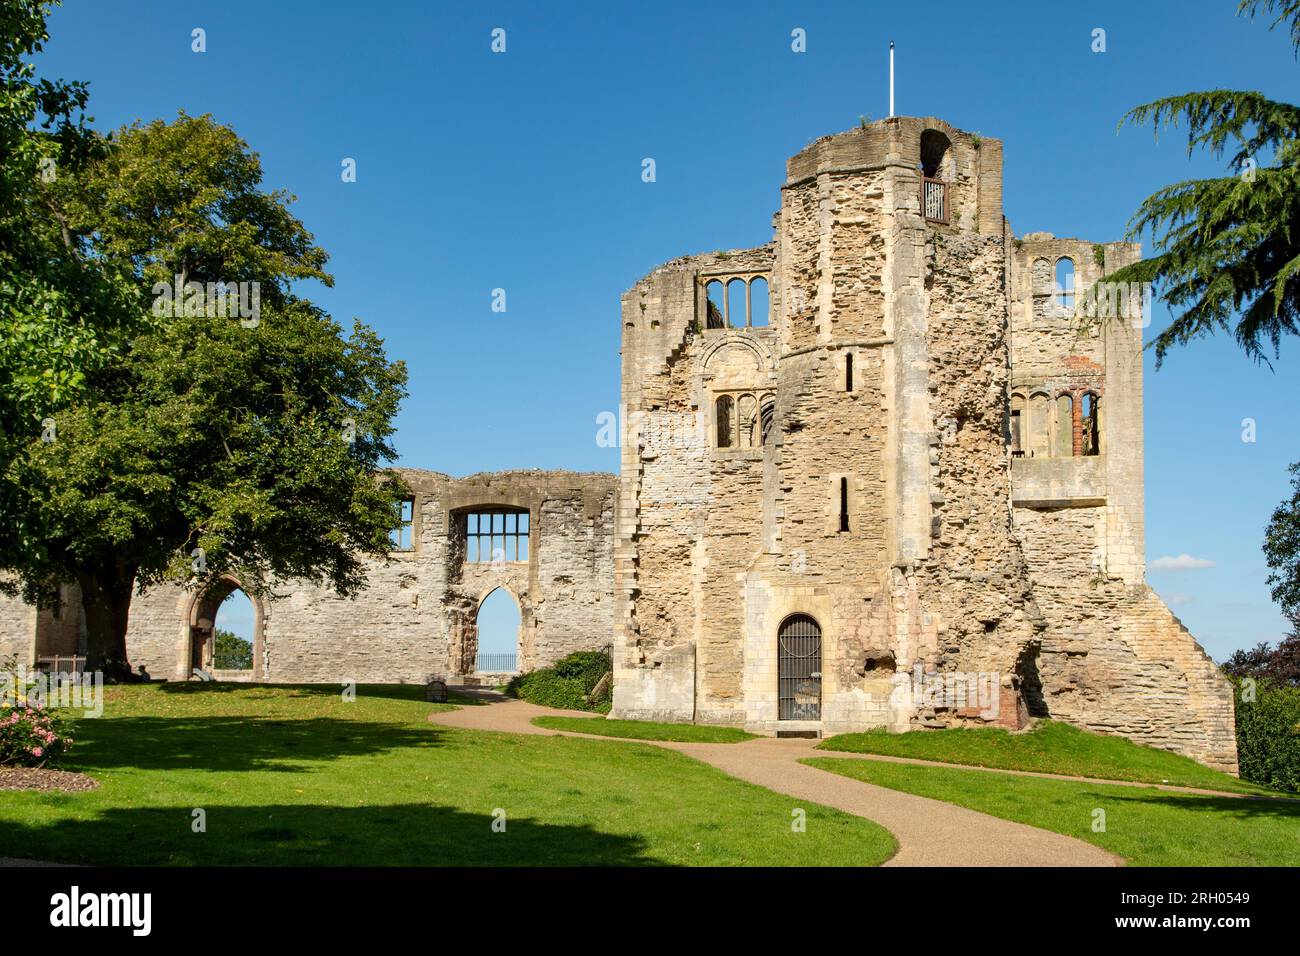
(1228, 248)
(140, 444)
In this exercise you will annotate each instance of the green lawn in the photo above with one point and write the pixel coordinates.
(1051, 747)
(1147, 827)
(645, 730)
(297, 776)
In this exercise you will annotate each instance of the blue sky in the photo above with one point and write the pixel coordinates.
(521, 171)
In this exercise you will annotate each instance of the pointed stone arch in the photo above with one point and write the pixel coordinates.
(200, 621)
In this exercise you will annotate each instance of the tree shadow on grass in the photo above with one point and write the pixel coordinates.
(1243, 808)
(289, 835)
(225, 743)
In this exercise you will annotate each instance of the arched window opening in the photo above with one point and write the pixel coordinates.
(758, 302)
(1091, 424)
(724, 408)
(232, 633)
(497, 625)
(1064, 426)
(1040, 420)
(799, 669)
(1040, 276)
(715, 306)
(747, 420)
(1017, 425)
(1064, 286)
(935, 175)
(737, 308)
(767, 418)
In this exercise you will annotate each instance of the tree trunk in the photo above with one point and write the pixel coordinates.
(106, 598)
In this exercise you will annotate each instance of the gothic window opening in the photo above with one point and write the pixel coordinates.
(1091, 424)
(1064, 426)
(724, 405)
(747, 420)
(495, 536)
(758, 302)
(737, 303)
(716, 305)
(767, 418)
(1065, 284)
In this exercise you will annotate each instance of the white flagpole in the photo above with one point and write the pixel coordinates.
(891, 78)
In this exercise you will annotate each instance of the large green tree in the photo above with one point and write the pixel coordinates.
(1227, 249)
(196, 442)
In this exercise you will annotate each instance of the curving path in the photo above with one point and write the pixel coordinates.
(929, 832)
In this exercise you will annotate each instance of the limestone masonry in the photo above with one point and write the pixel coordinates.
(907, 494)
(912, 498)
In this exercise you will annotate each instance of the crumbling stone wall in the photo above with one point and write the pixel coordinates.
(952, 557)
(416, 618)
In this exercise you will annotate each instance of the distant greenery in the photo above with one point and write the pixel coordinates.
(566, 685)
(1145, 826)
(231, 652)
(300, 776)
(1052, 747)
(645, 730)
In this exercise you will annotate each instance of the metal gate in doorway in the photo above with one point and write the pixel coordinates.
(799, 669)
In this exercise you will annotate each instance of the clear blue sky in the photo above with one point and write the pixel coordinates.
(522, 170)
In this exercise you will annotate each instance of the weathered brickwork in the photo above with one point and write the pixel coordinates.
(417, 616)
(950, 487)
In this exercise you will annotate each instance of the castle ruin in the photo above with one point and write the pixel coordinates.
(909, 494)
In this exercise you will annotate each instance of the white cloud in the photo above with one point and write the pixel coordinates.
(1178, 598)
(1184, 562)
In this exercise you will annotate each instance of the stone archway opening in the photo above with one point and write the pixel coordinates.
(225, 632)
(498, 625)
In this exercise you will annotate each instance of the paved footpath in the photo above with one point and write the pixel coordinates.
(929, 832)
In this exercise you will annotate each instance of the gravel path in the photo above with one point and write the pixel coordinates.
(929, 832)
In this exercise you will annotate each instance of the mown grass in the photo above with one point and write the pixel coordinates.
(1051, 747)
(1146, 826)
(298, 776)
(645, 730)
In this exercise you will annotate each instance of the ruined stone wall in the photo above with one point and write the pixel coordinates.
(1113, 658)
(417, 616)
(953, 557)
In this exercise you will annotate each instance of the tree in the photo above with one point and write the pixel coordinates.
(205, 442)
(230, 652)
(1228, 247)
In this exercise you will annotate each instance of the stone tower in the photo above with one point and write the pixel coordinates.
(911, 498)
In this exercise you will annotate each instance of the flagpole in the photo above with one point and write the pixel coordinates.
(891, 78)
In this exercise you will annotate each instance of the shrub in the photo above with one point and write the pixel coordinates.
(1268, 736)
(567, 684)
(31, 735)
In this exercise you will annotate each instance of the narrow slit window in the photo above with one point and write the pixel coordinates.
(848, 372)
(844, 504)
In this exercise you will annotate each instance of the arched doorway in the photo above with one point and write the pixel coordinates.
(498, 625)
(799, 669)
(225, 632)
